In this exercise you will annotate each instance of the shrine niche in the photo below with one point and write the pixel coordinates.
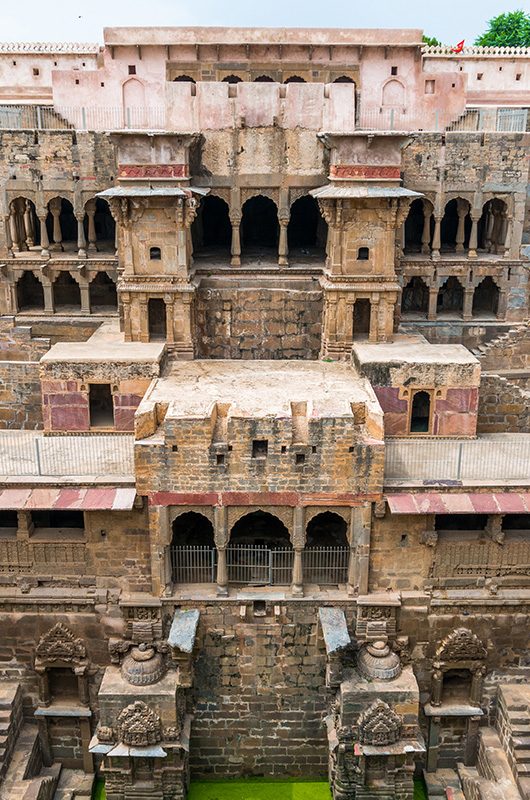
(459, 669)
(139, 726)
(61, 663)
(379, 725)
(461, 645)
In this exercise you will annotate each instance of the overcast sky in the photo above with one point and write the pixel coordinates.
(83, 20)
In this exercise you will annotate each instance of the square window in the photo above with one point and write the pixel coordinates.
(393, 70)
(36, 71)
(284, 448)
(518, 76)
(363, 254)
(132, 69)
(300, 458)
(77, 81)
(479, 76)
(260, 448)
(155, 253)
(220, 459)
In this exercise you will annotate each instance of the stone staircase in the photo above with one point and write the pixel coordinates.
(74, 784)
(492, 778)
(136, 793)
(513, 725)
(467, 121)
(502, 340)
(10, 723)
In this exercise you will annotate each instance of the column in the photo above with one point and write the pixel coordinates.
(473, 237)
(426, 233)
(116, 239)
(169, 300)
(81, 241)
(55, 210)
(28, 225)
(13, 230)
(82, 686)
(488, 237)
(144, 326)
(49, 307)
(508, 237)
(9, 241)
(467, 312)
(360, 542)
(88, 761)
(186, 347)
(85, 296)
(298, 540)
(503, 304)
(462, 210)
(126, 303)
(44, 687)
(436, 237)
(44, 241)
(502, 232)
(475, 694)
(432, 744)
(235, 249)
(433, 302)
(283, 248)
(90, 209)
(373, 334)
(221, 537)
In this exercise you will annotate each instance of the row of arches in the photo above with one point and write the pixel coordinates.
(58, 228)
(450, 298)
(65, 293)
(459, 229)
(259, 229)
(233, 78)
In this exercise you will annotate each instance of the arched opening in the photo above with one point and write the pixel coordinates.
(134, 110)
(66, 292)
(24, 226)
(491, 230)
(61, 225)
(326, 554)
(307, 231)
(393, 95)
(363, 254)
(260, 550)
(103, 230)
(211, 229)
(102, 293)
(295, 79)
(455, 226)
(415, 297)
(30, 293)
(344, 79)
(232, 79)
(486, 298)
(184, 79)
(156, 319)
(361, 319)
(414, 227)
(193, 553)
(101, 405)
(450, 297)
(264, 79)
(456, 687)
(420, 415)
(259, 227)
(155, 254)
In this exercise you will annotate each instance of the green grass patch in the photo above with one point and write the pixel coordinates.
(420, 790)
(259, 789)
(99, 790)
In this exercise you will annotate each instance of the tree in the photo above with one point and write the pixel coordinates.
(431, 41)
(507, 30)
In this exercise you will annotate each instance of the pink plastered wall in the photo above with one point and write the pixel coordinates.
(453, 415)
(65, 405)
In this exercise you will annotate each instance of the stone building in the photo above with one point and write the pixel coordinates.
(264, 418)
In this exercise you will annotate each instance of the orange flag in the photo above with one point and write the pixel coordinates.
(459, 47)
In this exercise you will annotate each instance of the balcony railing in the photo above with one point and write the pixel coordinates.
(504, 457)
(31, 453)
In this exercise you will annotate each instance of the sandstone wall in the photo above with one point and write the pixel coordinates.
(503, 406)
(20, 395)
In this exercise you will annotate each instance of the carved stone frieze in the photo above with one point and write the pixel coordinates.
(461, 645)
(379, 725)
(138, 725)
(60, 644)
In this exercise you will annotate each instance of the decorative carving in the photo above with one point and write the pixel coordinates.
(379, 725)
(105, 733)
(118, 648)
(461, 645)
(138, 725)
(60, 644)
(143, 666)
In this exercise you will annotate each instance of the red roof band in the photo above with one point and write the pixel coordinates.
(461, 503)
(87, 499)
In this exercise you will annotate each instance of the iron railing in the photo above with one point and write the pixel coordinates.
(193, 564)
(325, 565)
(27, 453)
(489, 458)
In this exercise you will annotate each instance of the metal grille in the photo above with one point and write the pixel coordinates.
(325, 565)
(194, 564)
(256, 564)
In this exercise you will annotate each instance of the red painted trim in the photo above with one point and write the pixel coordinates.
(153, 171)
(258, 499)
(364, 171)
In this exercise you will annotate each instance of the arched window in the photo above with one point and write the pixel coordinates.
(104, 229)
(156, 319)
(415, 297)
(30, 294)
(61, 224)
(414, 227)
(260, 550)
(393, 94)
(264, 79)
(102, 293)
(486, 298)
(259, 226)
(363, 254)
(66, 292)
(193, 554)
(295, 79)
(232, 79)
(326, 554)
(307, 231)
(184, 79)
(455, 226)
(450, 297)
(420, 415)
(211, 229)
(492, 226)
(155, 253)
(24, 227)
(344, 79)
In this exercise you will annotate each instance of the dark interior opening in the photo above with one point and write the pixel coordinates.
(260, 448)
(456, 686)
(184, 79)
(66, 292)
(58, 520)
(156, 314)
(232, 79)
(259, 226)
(101, 405)
(155, 253)
(63, 684)
(415, 297)
(363, 254)
(516, 522)
(486, 298)
(414, 227)
(327, 530)
(449, 227)
(30, 293)
(262, 529)
(450, 298)
(460, 522)
(8, 523)
(264, 79)
(307, 230)
(67, 222)
(211, 229)
(343, 79)
(103, 223)
(102, 292)
(295, 79)
(361, 319)
(192, 530)
(420, 415)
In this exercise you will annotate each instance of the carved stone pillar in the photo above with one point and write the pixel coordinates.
(81, 241)
(9, 242)
(55, 210)
(144, 326)
(488, 238)
(49, 306)
(501, 233)
(283, 247)
(426, 233)
(13, 229)
(433, 744)
(85, 296)
(360, 542)
(235, 248)
(82, 686)
(436, 687)
(28, 225)
(88, 760)
(44, 241)
(221, 538)
(471, 747)
(508, 237)
(436, 237)
(475, 693)
(170, 316)
(126, 304)
(462, 211)
(433, 302)
(298, 540)
(467, 309)
(44, 688)
(90, 209)
(473, 236)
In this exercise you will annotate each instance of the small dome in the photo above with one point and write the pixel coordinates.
(143, 666)
(378, 662)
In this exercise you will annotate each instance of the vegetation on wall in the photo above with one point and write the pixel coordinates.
(511, 29)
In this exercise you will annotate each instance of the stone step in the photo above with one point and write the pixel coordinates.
(522, 756)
